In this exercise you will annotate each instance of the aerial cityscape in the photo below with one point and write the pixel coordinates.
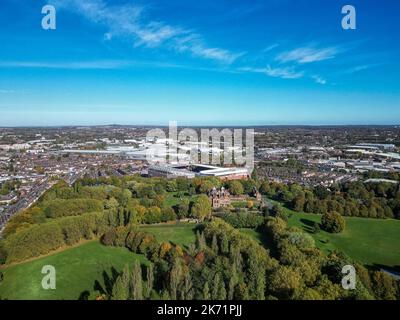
(220, 151)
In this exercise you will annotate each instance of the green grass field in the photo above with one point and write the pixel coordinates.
(79, 270)
(172, 199)
(180, 233)
(374, 242)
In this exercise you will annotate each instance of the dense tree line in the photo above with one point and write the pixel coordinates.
(43, 238)
(374, 200)
(225, 264)
(61, 208)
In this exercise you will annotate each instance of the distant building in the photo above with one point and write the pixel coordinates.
(168, 171)
(373, 146)
(219, 198)
(200, 170)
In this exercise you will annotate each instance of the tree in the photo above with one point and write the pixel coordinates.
(175, 276)
(284, 281)
(206, 186)
(183, 208)
(188, 291)
(201, 208)
(233, 280)
(206, 292)
(136, 285)
(384, 286)
(299, 202)
(333, 222)
(235, 188)
(214, 244)
(224, 244)
(150, 279)
(241, 292)
(301, 240)
(265, 188)
(200, 240)
(120, 290)
(216, 287)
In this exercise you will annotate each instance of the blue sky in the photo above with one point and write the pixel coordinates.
(224, 62)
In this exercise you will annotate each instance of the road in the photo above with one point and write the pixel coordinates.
(26, 202)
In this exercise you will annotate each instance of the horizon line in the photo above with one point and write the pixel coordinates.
(199, 125)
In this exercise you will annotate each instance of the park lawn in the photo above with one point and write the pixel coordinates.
(86, 268)
(373, 242)
(177, 233)
(260, 237)
(172, 198)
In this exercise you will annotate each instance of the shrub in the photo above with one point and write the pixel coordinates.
(108, 238)
(333, 222)
(167, 214)
(301, 240)
(153, 215)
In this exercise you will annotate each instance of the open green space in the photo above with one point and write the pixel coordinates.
(374, 242)
(80, 271)
(179, 233)
(174, 198)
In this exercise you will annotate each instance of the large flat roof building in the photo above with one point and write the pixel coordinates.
(200, 170)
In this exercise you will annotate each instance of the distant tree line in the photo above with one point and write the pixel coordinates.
(357, 199)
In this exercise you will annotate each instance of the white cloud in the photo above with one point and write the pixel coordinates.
(194, 44)
(361, 68)
(130, 22)
(308, 54)
(319, 79)
(269, 48)
(284, 73)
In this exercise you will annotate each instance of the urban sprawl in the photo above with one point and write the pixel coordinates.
(33, 159)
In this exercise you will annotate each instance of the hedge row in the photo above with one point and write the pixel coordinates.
(44, 238)
(73, 207)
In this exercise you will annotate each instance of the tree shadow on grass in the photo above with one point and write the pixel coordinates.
(108, 280)
(84, 295)
(392, 270)
(307, 225)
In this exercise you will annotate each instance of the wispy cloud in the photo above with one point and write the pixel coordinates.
(361, 68)
(269, 48)
(284, 73)
(131, 22)
(319, 79)
(101, 64)
(308, 54)
(6, 91)
(112, 64)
